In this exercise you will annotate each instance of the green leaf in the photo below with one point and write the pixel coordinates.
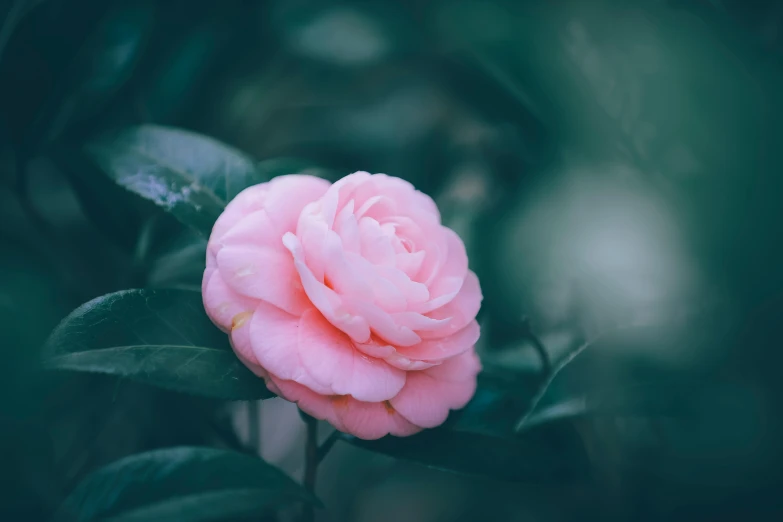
(186, 484)
(158, 337)
(536, 457)
(617, 374)
(180, 262)
(500, 399)
(189, 175)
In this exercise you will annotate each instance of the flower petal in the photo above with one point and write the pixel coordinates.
(330, 357)
(315, 405)
(429, 394)
(288, 195)
(254, 229)
(242, 346)
(274, 335)
(371, 420)
(249, 200)
(324, 298)
(462, 309)
(263, 273)
(443, 347)
(222, 303)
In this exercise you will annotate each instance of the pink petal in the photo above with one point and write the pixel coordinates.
(462, 309)
(381, 323)
(418, 322)
(339, 194)
(254, 229)
(406, 363)
(376, 246)
(315, 405)
(249, 200)
(376, 207)
(448, 279)
(379, 290)
(414, 292)
(330, 357)
(274, 335)
(413, 202)
(243, 347)
(375, 348)
(222, 303)
(312, 232)
(365, 420)
(371, 420)
(444, 347)
(342, 273)
(324, 298)
(262, 273)
(411, 263)
(347, 228)
(288, 195)
(429, 394)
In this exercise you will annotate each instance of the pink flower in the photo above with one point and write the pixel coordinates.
(351, 300)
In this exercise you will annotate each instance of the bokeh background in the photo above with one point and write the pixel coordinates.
(608, 163)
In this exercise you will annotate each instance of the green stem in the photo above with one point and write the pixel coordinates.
(546, 364)
(324, 448)
(311, 464)
(254, 425)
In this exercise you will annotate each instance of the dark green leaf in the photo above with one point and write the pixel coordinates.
(117, 213)
(159, 337)
(180, 262)
(185, 484)
(189, 175)
(535, 457)
(498, 403)
(617, 374)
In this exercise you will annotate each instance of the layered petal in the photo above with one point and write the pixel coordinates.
(262, 273)
(459, 311)
(429, 394)
(351, 300)
(330, 357)
(222, 303)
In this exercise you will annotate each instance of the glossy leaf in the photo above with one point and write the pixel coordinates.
(500, 399)
(191, 176)
(187, 484)
(536, 457)
(180, 262)
(614, 375)
(158, 337)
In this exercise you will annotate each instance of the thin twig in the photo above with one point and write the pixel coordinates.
(311, 465)
(324, 448)
(546, 364)
(254, 425)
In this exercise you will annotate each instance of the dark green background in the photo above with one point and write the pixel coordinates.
(609, 164)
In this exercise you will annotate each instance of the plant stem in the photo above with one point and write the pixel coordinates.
(546, 364)
(311, 465)
(254, 425)
(324, 448)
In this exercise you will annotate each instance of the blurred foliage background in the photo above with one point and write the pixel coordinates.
(614, 167)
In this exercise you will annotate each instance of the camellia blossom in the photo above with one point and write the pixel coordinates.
(351, 300)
